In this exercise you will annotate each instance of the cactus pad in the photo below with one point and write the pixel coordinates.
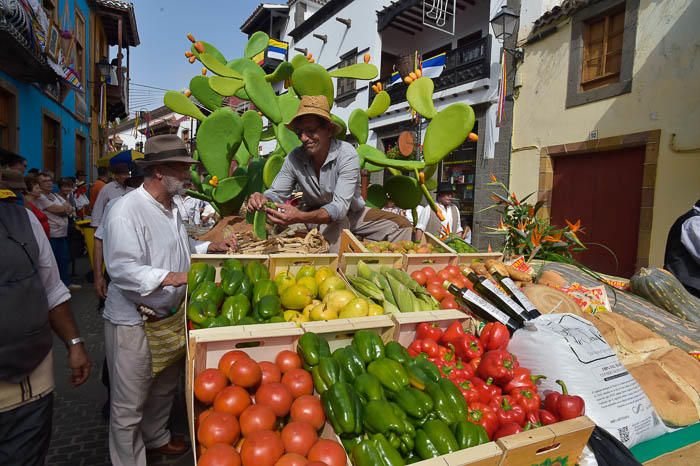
(225, 86)
(299, 60)
(210, 49)
(380, 104)
(259, 224)
(218, 138)
(228, 188)
(365, 71)
(287, 139)
(215, 66)
(359, 125)
(343, 128)
(377, 157)
(199, 85)
(178, 103)
(313, 79)
(262, 95)
(242, 157)
(256, 44)
(252, 129)
(273, 165)
(447, 131)
(283, 71)
(404, 191)
(376, 196)
(420, 97)
(289, 104)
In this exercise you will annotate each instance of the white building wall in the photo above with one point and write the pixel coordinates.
(132, 135)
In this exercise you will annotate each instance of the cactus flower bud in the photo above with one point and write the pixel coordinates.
(199, 46)
(367, 57)
(190, 37)
(192, 59)
(187, 93)
(204, 71)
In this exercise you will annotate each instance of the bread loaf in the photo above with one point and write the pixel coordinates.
(683, 369)
(671, 403)
(632, 336)
(607, 330)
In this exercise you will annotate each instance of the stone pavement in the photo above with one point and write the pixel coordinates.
(79, 432)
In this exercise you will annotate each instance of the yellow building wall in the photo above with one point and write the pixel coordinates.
(665, 96)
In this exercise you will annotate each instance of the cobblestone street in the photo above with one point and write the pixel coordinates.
(79, 430)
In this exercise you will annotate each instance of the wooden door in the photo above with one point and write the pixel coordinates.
(80, 148)
(8, 120)
(51, 146)
(604, 190)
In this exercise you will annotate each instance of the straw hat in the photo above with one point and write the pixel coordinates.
(167, 148)
(315, 105)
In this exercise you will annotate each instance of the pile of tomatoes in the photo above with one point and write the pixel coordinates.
(261, 414)
(433, 282)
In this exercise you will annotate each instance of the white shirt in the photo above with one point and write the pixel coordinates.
(111, 190)
(192, 209)
(690, 236)
(452, 224)
(56, 291)
(143, 242)
(58, 224)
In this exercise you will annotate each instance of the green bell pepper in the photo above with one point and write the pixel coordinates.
(247, 320)
(469, 435)
(376, 451)
(235, 308)
(311, 349)
(218, 321)
(390, 373)
(262, 288)
(199, 272)
(379, 417)
(232, 282)
(199, 311)
(350, 362)
(368, 388)
(421, 371)
(350, 442)
(208, 291)
(268, 307)
(326, 373)
(256, 272)
(232, 264)
(435, 439)
(368, 345)
(416, 403)
(278, 319)
(394, 350)
(406, 441)
(448, 402)
(343, 409)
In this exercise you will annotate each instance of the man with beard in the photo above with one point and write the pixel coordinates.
(327, 171)
(147, 255)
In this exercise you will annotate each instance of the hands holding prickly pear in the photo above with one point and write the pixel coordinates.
(283, 214)
(256, 201)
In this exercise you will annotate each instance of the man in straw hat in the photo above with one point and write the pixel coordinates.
(147, 254)
(327, 170)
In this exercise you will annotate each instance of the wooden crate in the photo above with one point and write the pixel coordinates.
(293, 262)
(488, 454)
(339, 332)
(348, 262)
(407, 322)
(560, 443)
(469, 257)
(437, 260)
(349, 243)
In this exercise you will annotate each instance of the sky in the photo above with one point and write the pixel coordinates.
(159, 61)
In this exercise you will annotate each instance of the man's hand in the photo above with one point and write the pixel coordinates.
(223, 246)
(256, 201)
(175, 279)
(100, 285)
(285, 214)
(79, 364)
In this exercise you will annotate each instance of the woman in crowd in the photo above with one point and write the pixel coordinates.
(31, 195)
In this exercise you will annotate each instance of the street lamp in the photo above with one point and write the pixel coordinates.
(504, 25)
(104, 68)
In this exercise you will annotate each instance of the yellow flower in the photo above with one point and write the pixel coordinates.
(214, 181)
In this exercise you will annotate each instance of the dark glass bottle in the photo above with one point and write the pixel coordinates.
(517, 295)
(498, 298)
(482, 308)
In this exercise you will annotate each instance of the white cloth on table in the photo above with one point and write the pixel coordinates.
(111, 190)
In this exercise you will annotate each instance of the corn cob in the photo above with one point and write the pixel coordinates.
(366, 288)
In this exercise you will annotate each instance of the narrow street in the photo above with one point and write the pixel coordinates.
(79, 431)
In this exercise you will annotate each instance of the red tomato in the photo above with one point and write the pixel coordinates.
(292, 459)
(220, 454)
(420, 277)
(245, 372)
(233, 400)
(434, 281)
(316, 463)
(202, 416)
(308, 408)
(299, 382)
(257, 417)
(276, 396)
(270, 372)
(449, 302)
(298, 437)
(444, 275)
(437, 291)
(330, 452)
(229, 358)
(218, 428)
(453, 270)
(262, 448)
(287, 360)
(429, 272)
(459, 281)
(208, 384)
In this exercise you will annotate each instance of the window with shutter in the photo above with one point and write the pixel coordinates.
(602, 49)
(80, 47)
(8, 119)
(346, 86)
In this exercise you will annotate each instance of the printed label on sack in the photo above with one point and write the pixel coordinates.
(496, 313)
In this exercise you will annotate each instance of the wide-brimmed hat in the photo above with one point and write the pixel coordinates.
(315, 105)
(12, 179)
(167, 148)
(445, 187)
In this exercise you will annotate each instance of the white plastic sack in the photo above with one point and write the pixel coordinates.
(569, 348)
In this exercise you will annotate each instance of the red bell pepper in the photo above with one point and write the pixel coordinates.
(487, 390)
(527, 398)
(452, 334)
(563, 405)
(546, 417)
(532, 420)
(469, 391)
(474, 363)
(483, 415)
(508, 410)
(499, 365)
(522, 378)
(460, 372)
(427, 346)
(414, 349)
(507, 429)
(494, 336)
(469, 347)
(428, 330)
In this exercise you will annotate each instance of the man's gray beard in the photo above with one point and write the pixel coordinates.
(173, 186)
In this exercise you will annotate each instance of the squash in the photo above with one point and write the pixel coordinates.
(678, 332)
(663, 289)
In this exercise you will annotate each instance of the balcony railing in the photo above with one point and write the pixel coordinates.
(465, 64)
